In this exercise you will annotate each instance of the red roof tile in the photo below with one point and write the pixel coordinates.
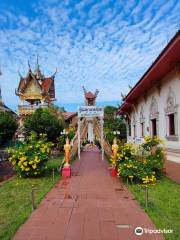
(46, 84)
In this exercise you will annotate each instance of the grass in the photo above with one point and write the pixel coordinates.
(163, 206)
(16, 201)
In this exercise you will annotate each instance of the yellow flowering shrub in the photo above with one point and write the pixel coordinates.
(150, 142)
(126, 151)
(140, 168)
(149, 180)
(29, 159)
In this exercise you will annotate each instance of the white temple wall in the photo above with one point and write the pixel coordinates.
(157, 104)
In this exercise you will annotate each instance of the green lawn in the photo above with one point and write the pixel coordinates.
(16, 201)
(164, 205)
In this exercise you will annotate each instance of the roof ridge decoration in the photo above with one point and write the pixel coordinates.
(37, 71)
(89, 94)
(45, 84)
(54, 74)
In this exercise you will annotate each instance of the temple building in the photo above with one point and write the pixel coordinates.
(70, 119)
(35, 91)
(152, 107)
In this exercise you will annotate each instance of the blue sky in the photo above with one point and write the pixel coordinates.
(104, 44)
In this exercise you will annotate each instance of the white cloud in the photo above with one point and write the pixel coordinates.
(93, 43)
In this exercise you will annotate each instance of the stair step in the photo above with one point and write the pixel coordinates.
(173, 156)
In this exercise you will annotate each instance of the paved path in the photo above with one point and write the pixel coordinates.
(91, 205)
(173, 170)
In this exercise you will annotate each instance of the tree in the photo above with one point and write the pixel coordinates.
(113, 123)
(8, 127)
(44, 121)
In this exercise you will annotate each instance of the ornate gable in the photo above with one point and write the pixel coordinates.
(142, 118)
(154, 108)
(36, 86)
(32, 90)
(171, 106)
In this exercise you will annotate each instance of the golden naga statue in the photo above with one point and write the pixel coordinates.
(67, 148)
(115, 148)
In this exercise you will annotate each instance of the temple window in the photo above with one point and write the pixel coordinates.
(134, 129)
(134, 125)
(154, 117)
(171, 117)
(154, 127)
(171, 124)
(142, 129)
(142, 121)
(129, 126)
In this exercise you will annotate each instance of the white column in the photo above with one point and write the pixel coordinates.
(90, 131)
(79, 138)
(102, 138)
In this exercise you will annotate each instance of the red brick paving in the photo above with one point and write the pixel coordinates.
(173, 170)
(91, 205)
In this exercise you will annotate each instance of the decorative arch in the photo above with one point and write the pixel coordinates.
(134, 119)
(154, 109)
(154, 117)
(141, 117)
(134, 126)
(171, 116)
(142, 122)
(171, 106)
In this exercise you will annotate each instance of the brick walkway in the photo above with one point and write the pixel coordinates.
(173, 170)
(91, 205)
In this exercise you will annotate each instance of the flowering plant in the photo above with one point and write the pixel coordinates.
(150, 142)
(144, 169)
(29, 159)
(126, 152)
(149, 180)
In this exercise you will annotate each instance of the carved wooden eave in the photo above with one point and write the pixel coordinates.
(134, 106)
(177, 69)
(158, 87)
(145, 96)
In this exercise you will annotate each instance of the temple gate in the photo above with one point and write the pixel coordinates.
(91, 114)
(90, 126)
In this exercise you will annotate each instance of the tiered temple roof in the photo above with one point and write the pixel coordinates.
(45, 84)
(35, 91)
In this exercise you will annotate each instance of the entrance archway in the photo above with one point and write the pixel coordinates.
(90, 121)
(91, 125)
